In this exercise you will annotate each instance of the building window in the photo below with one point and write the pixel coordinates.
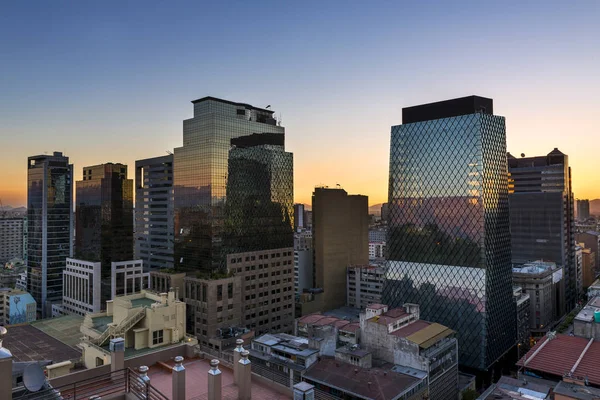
(219, 292)
(230, 290)
(157, 337)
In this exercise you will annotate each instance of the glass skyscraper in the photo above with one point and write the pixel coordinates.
(448, 237)
(104, 218)
(50, 227)
(260, 195)
(200, 177)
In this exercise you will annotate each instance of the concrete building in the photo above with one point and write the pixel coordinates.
(10, 272)
(128, 277)
(299, 223)
(542, 222)
(591, 240)
(81, 287)
(303, 261)
(49, 227)
(588, 266)
(376, 250)
(587, 322)
(541, 280)
(385, 212)
(340, 239)
(508, 388)
(16, 307)
(523, 310)
(13, 239)
(593, 290)
(154, 215)
(145, 320)
(583, 209)
(166, 280)
(579, 268)
(378, 234)
(365, 284)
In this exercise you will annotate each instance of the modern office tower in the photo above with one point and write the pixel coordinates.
(583, 209)
(154, 215)
(200, 177)
(49, 226)
(541, 215)
(340, 239)
(104, 218)
(81, 287)
(299, 217)
(449, 240)
(12, 245)
(303, 261)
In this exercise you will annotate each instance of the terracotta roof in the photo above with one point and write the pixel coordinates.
(559, 355)
(340, 323)
(352, 327)
(372, 383)
(376, 306)
(326, 321)
(310, 318)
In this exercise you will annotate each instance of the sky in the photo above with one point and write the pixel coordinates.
(112, 81)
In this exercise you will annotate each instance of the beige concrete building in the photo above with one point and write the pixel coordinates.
(163, 280)
(340, 239)
(144, 320)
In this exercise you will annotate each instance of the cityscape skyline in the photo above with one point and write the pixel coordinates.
(336, 88)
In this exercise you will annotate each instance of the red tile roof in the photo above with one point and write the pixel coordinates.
(411, 328)
(376, 306)
(311, 318)
(559, 355)
(326, 321)
(390, 317)
(353, 327)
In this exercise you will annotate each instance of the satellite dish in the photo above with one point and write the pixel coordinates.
(33, 377)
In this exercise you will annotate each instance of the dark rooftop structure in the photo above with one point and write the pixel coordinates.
(233, 103)
(259, 139)
(448, 108)
(28, 343)
(373, 383)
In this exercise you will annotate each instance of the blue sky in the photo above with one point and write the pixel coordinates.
(112, 81)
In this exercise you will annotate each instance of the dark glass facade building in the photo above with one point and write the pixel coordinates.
(542, 217)
(50, 227)
(259, 211)
(448, 228)
(104, 218)
(154, 215)
(200, 177)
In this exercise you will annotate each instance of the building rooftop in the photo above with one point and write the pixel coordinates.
(100, 324)
(558, 356)
(27, 343)
(508, 388)
(196, 382)
(411, 328)
(143, 302)
(373, 383)
(233, 103)
(65, 328)
(347, 313)
(390, 316)
(536, 267)
(575, 391)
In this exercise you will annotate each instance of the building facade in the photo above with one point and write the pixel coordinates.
(588, 266)
(542, 282)
(448, 201)
(200, 177)
(365, 284)
(16, 307)
(13, 239)
(49, 226)
(541, 215)
(583, 209)
(523, 311)
(303, 261)
(376, 250)
(299, 223)
(128, 277)
(154, 214)
(590, 240)
(340, 239)
(81, 287)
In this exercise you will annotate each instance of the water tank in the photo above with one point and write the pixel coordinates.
(597, 316)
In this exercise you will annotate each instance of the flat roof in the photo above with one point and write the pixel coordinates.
(233, 103)
(575, 391)
(100, 324)
(65, 328)
(373, 383)
(143, 302)
(27, 343)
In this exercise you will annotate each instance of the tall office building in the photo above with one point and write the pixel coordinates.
(49, 225)
(200, 177)
(299, 217)
(541, 216)
(340, 239)
(583, 209)
(12, 244)
(104, 218)
(154, 215)
(449, 239)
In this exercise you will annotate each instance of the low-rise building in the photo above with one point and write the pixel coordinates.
(128, 277)
(594, 289)
(588, 265)
(165, 280)
(508, 388)
(376, 250)
(542, 281)
(16, 307)
(364, 285)
(587, 322)
(81, 287)
(145, 320)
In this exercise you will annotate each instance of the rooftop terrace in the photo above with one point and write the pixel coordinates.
(28, 343)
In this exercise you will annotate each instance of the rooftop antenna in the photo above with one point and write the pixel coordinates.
(33, 377)
(169, 153)
(523, 155)
(267, 107)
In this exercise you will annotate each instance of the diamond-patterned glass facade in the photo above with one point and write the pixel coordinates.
(260, 199)
(448, 237)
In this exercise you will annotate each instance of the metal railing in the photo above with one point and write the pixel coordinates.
(122, 381)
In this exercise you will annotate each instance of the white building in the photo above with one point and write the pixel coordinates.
(364, 285)
(81, 287)
(13, 245)
(128, 277)
(376, 250)
(303, 261)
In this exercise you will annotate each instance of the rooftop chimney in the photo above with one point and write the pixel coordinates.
(237, 355)
(178, 377)
(214, 381)
(245, 377)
